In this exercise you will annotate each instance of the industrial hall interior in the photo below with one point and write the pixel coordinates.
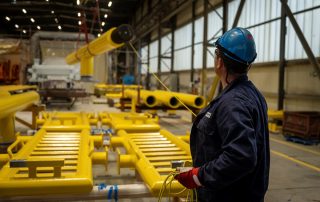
(160, 100)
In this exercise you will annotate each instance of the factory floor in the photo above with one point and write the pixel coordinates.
(294, 173)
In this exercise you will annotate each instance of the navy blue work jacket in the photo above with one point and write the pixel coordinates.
(229, 141)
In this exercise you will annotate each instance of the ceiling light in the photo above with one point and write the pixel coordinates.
(47, 0)
(78, 2)
(99, 35)
(105, 15)
(24, 11)
(110, 4)
(52, 12)
(7, 18)
(17, 26)
(24, 31)
(101, 30)
(56, 19)
(79, 14)
(103, 23)
(59, 27)
(79, 22)
(32, 20)
(38, 27)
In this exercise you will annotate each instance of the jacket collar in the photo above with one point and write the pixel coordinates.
(228, 88)
(232, 85)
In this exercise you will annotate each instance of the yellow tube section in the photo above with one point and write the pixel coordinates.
(188, 99)
(147, 97)
(9, 104)
(100, 45)
(86, 67)
(113, 38)
(14, 103)
(167, 98)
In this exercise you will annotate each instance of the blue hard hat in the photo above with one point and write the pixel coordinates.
(238, 45)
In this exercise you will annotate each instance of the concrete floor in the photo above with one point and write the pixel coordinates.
(295, 168)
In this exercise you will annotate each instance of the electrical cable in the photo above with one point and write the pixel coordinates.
(158, 79)
(168, 181)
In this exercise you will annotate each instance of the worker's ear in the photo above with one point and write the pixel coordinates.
(219, 63)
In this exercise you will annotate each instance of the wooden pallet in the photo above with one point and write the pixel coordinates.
(300, 140)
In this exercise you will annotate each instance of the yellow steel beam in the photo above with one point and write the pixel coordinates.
(153, 163)
(130, 122)
(11, 88)
(113, 38)
(56, 160)
(275, 114)
(13, 103)
(146, 97)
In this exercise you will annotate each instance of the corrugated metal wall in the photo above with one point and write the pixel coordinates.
(182, 47)
(267, 36)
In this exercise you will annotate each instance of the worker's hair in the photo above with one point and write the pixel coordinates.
(234, 67)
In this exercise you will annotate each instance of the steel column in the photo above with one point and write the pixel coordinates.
(282, 57)
(148, 69)
(238, 14)
(159, 53)
(224, 16)
(192, 45)
(205, 45)
(173, 28)
(301, 37)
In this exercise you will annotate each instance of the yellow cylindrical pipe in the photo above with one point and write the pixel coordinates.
(97, 139)
(190, 100)
(7, 134)
(147, 97)
(101, 157)
(113, 38)
(8, 106)
(86, 67)
(102, 44)
(4, 158)
(127, 160)
(14, 103)
(167, 98)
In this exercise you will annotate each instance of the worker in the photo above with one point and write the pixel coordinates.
(229, 138)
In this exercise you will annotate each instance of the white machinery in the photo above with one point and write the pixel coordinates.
(42, 73)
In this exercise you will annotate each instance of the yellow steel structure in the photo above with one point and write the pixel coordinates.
(151, 155)
(100, 45)
(164, 98)
(116, 87)
(56, 160)
(11, 103)
(167, 98)
(274, 116)
(130, 122)
(86, 67)
(190, 100)
(11, 88)
(146, 97)
(104, 43)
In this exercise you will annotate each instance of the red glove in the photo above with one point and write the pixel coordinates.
(189, 179)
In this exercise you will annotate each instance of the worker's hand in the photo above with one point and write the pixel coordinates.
(189, 178)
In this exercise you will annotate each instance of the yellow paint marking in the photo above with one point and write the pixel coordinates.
(296, 160)
(294, 146)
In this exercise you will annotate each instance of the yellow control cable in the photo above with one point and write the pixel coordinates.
(168, 181)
